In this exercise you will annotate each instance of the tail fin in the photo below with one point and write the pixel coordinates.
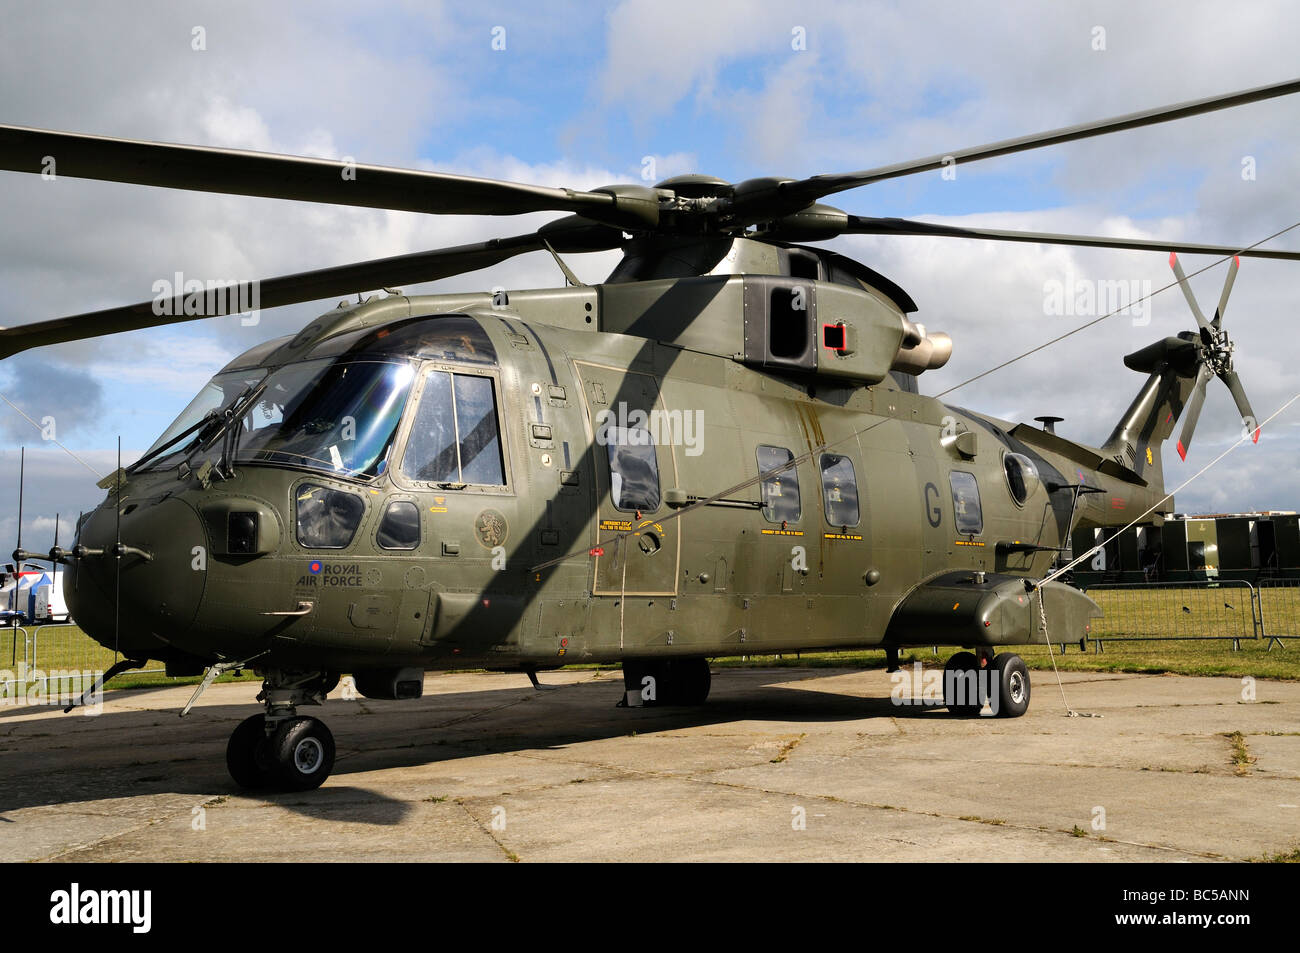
(1172, 365)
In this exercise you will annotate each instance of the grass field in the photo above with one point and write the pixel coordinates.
(1166, 617)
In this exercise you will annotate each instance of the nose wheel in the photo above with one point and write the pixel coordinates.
(296, 755)
(282, 750)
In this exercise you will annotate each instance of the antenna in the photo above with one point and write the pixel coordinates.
(117, 553)
(22, 466)
(18, 565)
(76, 541)
(54, 573)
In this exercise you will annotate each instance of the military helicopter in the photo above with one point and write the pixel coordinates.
(721, 449)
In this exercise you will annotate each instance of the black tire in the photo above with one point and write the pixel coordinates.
(689, 681)
(300, 753)
(636, 670)
(958, 688)
(677, 681)
(1012, 680)
(242, 754)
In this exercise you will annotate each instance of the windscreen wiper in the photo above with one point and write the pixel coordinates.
(207, 419)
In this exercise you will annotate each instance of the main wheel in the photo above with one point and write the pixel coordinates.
(242, 753)
(961, 689)
(676, 681)
(300, 753)
(689, 681)
(1012, 680)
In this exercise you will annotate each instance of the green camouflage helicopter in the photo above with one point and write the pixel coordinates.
(721, 449)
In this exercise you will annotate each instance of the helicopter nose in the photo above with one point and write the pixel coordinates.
(140, 596)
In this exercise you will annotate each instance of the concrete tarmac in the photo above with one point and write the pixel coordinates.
(782, 764)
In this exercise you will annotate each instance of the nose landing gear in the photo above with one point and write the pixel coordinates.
(282, 750)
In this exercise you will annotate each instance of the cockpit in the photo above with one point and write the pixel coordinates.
(337, 409)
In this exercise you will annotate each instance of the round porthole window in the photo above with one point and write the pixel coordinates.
(1022, 476)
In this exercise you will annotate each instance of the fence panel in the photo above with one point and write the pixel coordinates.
(14, 648)
(1172, 611)
(31, 660)
(1279, 609)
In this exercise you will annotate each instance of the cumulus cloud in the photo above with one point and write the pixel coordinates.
(716, 88)
(47, 401)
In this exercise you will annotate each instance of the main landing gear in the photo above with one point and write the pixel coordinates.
(281, 750)
(671, 681)
(1000, 681)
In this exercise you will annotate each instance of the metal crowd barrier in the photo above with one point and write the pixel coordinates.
(31, 660)
(1227, 609)
(1279, 609)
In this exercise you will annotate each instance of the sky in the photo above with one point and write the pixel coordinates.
(582, 95)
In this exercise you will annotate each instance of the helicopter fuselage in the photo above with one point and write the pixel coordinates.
(549, 494)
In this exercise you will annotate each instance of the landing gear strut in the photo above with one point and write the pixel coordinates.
(281, 750)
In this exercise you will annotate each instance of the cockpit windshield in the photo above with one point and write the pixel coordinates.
(337, 415)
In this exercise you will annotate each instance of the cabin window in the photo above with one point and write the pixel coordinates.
(326, 518)
(400, 527)
(780, 491)
(1022, 476)
(455, 437)
(967, 515)
(633, 469)
(840, 488)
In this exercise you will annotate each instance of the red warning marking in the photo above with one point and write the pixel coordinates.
(1116, 503)
(596, 551)
(1236, 261)
(1182, 451)
(1170, 417)
(1256, 437)
(1173, 259)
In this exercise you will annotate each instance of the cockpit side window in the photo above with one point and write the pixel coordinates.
(455, 436)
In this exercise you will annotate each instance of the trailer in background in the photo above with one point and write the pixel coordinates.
(31, 595)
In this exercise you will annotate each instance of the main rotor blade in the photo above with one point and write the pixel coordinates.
(1193, 411)
(1227, 289)
(866, 225)
(276, 292)
(1248, 418)
(1191, 299)
(238, 172)
(790, 196)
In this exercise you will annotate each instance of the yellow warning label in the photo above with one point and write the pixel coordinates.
(965, 542)
(782, 532)
(621, 526)
(840, 536)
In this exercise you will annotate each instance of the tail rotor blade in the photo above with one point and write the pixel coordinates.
(1187, 290)
(1193, 411)
(1248, 419)
(1227, 289)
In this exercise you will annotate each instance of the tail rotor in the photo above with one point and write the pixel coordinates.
(1214, 358)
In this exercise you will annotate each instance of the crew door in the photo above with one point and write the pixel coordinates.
(633, 445)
